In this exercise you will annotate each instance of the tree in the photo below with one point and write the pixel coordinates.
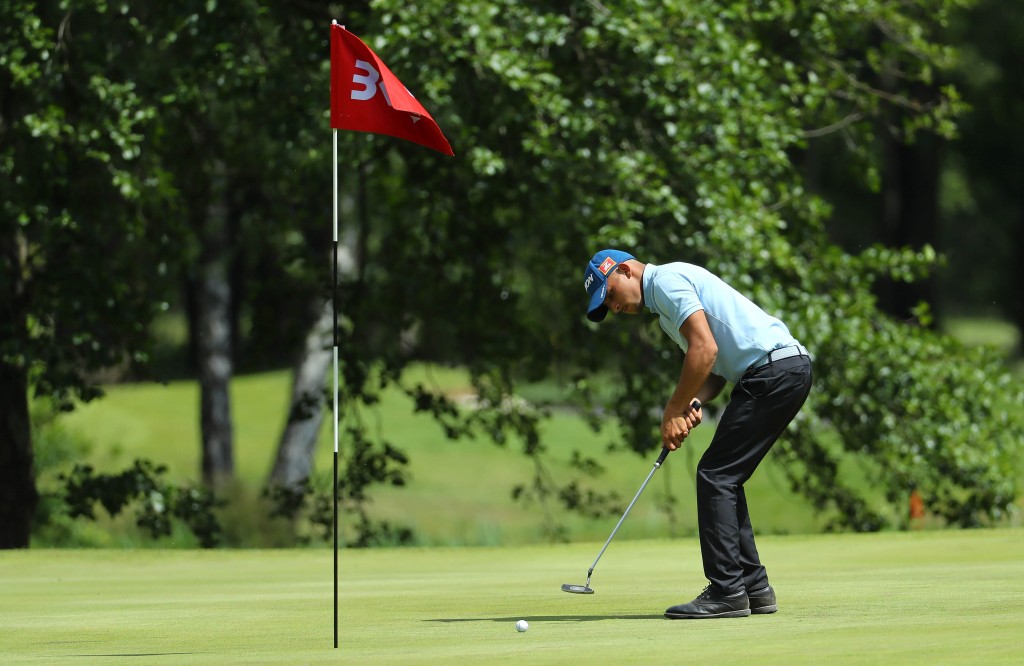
(82, 265)
(985, 224)
(233, 84)
(124, 160)
(891, 80)
(670, 129)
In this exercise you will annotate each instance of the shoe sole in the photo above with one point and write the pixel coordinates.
(707, 616)
(764, 610)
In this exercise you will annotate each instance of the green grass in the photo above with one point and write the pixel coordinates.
(997, 333)
(459, 491)
(940, 597)
(992, 332)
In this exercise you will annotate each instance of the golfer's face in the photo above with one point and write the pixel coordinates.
(623, 294)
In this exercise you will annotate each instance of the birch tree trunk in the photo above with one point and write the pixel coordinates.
(294, 462)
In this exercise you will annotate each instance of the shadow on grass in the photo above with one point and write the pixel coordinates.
(549, 618)
(135, 654)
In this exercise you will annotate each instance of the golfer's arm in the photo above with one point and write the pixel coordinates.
(700, 358)
(712, 387)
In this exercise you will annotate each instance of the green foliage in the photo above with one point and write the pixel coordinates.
(980, 193)
(918, 410)
(156, 501)
(303, 501)
(55, 446)
(457, 492)
(308, 505)
(73, 182)
(914, 408)
(669, 128)
(240, 125)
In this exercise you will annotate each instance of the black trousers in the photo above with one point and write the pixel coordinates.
(762, 404)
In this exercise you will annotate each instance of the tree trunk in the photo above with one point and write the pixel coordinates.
(18, 495)
(297, 445)
(1016, 305)
(214, 343)
(294, 462)
(909, 216)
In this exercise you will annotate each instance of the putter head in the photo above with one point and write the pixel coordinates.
(577, 589)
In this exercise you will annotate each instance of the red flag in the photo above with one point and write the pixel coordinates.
(367, 97)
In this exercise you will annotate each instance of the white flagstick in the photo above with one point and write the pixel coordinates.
(334, 308)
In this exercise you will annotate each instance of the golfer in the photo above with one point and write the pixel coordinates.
(726, 338)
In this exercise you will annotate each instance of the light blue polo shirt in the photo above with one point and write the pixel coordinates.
(743, 332)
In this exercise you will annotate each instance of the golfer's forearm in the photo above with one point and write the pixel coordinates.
(711, 388)
(694, 375)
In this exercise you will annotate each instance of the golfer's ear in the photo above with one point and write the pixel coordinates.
(624, 269)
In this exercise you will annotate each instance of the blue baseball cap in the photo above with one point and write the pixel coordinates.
(595, 280)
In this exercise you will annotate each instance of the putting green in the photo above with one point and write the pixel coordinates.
(954, 597)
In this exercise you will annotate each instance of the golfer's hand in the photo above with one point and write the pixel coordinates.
(674, 430)
(676, 427)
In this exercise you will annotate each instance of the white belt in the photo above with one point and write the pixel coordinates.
(779, 354)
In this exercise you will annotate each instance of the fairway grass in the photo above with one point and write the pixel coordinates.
(939, 597)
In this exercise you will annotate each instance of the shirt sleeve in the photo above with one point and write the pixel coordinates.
(677, 298)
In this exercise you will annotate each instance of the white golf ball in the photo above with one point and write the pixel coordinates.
(522, 625)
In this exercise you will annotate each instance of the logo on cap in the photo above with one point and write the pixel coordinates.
(607, 265)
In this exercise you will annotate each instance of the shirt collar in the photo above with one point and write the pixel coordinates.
(646, 295)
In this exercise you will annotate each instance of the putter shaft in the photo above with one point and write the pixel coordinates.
(695, 405)
(661, 459)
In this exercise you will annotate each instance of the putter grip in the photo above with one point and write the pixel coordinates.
(664, 452)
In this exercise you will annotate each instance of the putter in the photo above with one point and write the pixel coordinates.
(585, 588)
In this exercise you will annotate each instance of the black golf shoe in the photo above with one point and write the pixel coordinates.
(763, 601)
(709, 604)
